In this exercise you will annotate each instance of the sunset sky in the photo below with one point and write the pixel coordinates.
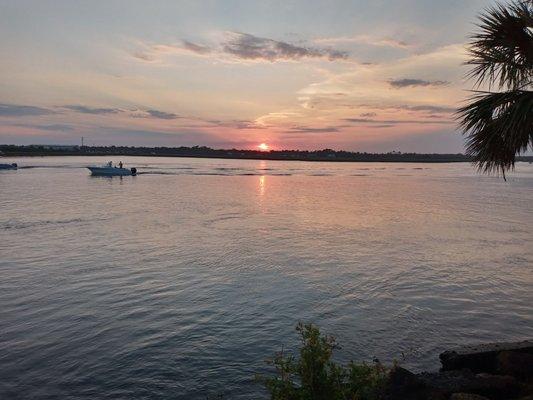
(364, 75)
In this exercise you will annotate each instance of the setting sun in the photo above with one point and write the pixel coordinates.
(263, 147)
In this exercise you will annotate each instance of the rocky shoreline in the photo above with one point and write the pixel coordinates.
(496, 371)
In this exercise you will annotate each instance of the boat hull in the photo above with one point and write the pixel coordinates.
(110, 171)
(8, 166)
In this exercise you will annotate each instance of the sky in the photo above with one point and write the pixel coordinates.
(360, 75)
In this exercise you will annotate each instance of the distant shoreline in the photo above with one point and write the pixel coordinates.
(206, 152)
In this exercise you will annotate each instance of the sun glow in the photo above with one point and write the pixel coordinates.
(263, 147)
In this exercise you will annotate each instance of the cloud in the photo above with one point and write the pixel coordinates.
(195, 48)
(394, 121)
(150, 113)
(380, 126)
(143, 56)
(161, 114)
(15, 110)
(249, 47)
(92, 110)
(431, 109)
(55, 127)
(51, 127)
(184, 46)
(366, 39)
(362, 120)
(235, 124)
(153, 52)
(304, 129)
(410, 82)
(242, 46)
(326, 102)
(246, 125)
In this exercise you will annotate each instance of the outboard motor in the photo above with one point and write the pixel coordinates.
(14, 165)
(134, 171)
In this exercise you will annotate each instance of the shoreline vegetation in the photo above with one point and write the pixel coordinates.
(496, 371)
(207, 152)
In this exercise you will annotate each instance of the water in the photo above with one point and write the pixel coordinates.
(180, 282)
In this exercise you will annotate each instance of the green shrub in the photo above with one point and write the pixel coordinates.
(314, 376)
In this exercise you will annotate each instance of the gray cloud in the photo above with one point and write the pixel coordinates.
(411, 82)
(161, 114)
(393, 121)
(55, 127)
(143, 56)
(151, 113)
(304, 129)
(243, 46)
(361, 120)
(380, 126)
(15, 110)
(195, 48)
(92, 110)
(50, 127)
(330, 101)
(250, 47)
(246, 125)
(235, 124)
(367, 40)
(431, 109)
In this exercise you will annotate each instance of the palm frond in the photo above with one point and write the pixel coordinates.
(498, 126)
(502, 51)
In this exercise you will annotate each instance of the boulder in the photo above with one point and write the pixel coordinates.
(497, 386)
(481, 358)
(404, 385)
(494, 387)
(519, 365)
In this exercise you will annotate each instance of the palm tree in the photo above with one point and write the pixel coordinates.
(499, 124)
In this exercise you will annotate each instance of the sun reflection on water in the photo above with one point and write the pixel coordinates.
(262, 185)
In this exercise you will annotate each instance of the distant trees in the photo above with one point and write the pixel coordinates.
(499, 124)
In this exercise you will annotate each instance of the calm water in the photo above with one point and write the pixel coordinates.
(179, 282)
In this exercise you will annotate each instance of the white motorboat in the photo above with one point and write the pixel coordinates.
(112, 170)
(9, 166)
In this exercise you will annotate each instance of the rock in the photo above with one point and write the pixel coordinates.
(494, 387)
(467, 396)
(401, 383)
(401, 378)
(449, 381)
(404, 385)
(519, 365)
(482, 358)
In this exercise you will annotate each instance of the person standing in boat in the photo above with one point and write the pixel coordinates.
(120, 164)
